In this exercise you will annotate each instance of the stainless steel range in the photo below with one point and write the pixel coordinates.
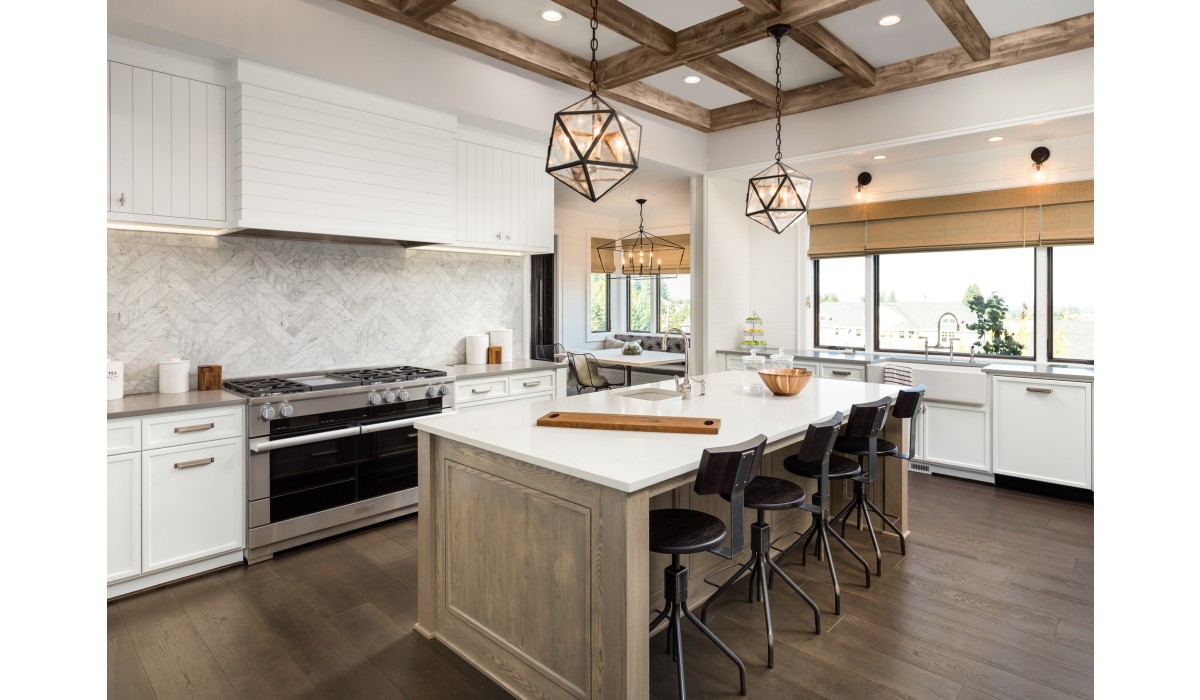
(335, 451)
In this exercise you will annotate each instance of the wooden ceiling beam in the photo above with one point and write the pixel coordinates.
(423, 9)
(1048, 40)
(627, 22)
(463, 28)
(715, 36)
(734, 76)
(835, 52)
(762, 8)
(965, 27)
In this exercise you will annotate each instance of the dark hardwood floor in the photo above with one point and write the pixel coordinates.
(994, 600)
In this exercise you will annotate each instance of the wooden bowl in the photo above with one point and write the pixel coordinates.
(785, 382)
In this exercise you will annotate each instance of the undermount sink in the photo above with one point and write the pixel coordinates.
(651, 394)
(965, 385)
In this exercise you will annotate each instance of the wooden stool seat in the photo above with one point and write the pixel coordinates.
(683, 531)
(769, 493)
(860, 446)
(839, 467)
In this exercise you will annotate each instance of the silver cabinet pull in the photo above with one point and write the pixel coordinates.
(195, 463)
(497, 235)
(1038, 391)
(481, 391)
(121, 199)
(841, 372)
(195, 428)
(537, 383)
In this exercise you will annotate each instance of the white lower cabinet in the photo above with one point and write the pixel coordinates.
(177, 510)
(192, 502)
(1042, 430)
(124, 516)
(488, 391)
(955, 436)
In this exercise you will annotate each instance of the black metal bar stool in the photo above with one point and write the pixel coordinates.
(765, 493)
(861, 438)
(677, 531)
(816, 460)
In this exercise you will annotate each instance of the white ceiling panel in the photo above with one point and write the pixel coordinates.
(1000, 17)
(706, 93)
(571, 34)
(680, 14)
(920, 32)
(800, 67)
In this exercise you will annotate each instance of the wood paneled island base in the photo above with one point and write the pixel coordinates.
(543, 579)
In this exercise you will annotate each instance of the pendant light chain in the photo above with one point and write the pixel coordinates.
(778, 100)
(594, 86)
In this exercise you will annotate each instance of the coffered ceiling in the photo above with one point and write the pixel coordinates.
(837, 51)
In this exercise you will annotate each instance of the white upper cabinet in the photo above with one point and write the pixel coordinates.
(504, 198)
(319, 158)
(166, 148)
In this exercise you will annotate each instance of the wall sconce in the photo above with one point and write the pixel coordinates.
(864, 179)
(1039, 174)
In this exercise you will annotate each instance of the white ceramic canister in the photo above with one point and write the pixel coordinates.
(116, 379)
(173, 375)
(477, 346)
(504, 338)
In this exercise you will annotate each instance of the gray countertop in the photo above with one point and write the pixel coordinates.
(514, 367)
(858, 358)
(1077, 373)
(144, 404)
(1073, 372)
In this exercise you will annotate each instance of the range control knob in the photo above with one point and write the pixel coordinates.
(443, 390)
(402, 394)
(389, 396)
(267, 412)
(432, 391)
(286, 410)
(374, 398)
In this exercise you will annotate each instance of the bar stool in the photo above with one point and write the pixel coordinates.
(765, 493)
(816, 460)
(862, 439)
(678, 531)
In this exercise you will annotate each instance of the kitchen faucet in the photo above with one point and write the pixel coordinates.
(684, 385)
(939, 345)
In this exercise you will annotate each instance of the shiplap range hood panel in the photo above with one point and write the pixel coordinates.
(322, 161)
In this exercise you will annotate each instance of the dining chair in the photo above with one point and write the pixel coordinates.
(587, 373)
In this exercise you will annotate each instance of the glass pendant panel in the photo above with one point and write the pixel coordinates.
(593, 147)
(778, 196)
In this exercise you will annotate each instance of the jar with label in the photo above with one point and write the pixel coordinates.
(751, 365)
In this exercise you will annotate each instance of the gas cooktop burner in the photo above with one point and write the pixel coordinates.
(387, 374)
(266, 386)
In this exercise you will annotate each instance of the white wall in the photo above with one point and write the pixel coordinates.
(574, 272)
(726, 267)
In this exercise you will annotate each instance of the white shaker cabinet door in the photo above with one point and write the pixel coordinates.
(124, 516)
(1042, 430)
(193, 502)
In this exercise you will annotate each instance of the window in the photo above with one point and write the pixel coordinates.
(641, 305)
(600, 304)
(839, 286)
(1072, 311)
(675, 303)
(991, 290)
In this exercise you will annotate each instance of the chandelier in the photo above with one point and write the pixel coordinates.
(778, 196)
(641, 255)
(593, 146)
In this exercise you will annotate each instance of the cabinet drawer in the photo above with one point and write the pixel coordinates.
(466, 392)
(531, 383)
(172, 429)
(853, 372)
(124, 436)
(193, 502)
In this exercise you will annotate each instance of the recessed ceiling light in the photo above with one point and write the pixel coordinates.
(889, 20)
(551, 15)
(996, 138)
(692, 79)
(880, 157)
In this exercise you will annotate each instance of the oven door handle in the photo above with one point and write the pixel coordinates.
(393, 424)
(266, 444)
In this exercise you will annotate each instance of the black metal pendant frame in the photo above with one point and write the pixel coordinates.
(584, 158)
(643, 241)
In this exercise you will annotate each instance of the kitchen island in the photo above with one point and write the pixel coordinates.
(533, 541)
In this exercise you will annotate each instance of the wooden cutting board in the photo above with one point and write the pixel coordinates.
(622, 421)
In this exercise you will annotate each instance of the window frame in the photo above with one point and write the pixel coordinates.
(1050, 357)
(817, 310)
(1032, 348)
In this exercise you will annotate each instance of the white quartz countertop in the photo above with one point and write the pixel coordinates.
(630, 461)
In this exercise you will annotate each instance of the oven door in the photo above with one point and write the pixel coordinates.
(389, 457)
(302, 474)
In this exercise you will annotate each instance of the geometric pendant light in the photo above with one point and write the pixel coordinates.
(778, 196)
(641, 254)
(593, 146)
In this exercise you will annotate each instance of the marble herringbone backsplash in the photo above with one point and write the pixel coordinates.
(258, 306)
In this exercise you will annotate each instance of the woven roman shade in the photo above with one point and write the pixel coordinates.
(1024, 216)
(682, 239)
